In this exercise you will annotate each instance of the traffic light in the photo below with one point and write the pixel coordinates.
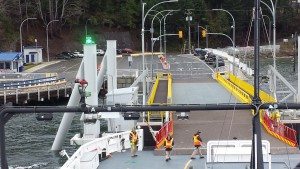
(203, 33)
(180, 34)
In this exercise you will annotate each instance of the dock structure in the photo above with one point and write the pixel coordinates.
(195, 84)
(20, 93)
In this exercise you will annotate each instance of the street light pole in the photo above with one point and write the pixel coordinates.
(273, 12)
(206, 38)
(152, 31)
(144, 16)
(269, 27)
(21, 44)
(48, 58)
(165, 38)
(233, 34)
(189, 19)
(222, 34)
(86, 27)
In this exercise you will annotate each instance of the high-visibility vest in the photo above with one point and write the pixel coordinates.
(169, 143)
(134, 137)
(197, 142)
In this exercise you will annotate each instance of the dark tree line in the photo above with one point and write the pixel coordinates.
(126, 14)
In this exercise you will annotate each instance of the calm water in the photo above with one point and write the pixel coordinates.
(29, 141)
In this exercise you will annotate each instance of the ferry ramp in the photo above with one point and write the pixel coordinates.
(272, 129)
(161, 92)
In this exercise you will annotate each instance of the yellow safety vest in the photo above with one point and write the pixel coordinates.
(169, 143)
(134, 138)
(197, 142)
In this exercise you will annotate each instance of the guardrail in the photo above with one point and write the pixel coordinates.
(242, 90)
(17, 84)
(248, 88)
(163, 133)
(108, 144)
(153, 92)
(235, 90)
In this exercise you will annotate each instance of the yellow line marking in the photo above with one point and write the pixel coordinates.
(187, 164)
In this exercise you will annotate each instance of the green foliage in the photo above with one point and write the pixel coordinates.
(220, 23)
(7, 30)
(126, 14)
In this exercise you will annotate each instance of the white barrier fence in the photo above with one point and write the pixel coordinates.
(235, 61)
(87, 156)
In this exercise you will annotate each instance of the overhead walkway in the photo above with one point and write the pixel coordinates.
(244, 92)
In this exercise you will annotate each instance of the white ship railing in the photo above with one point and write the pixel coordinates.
(109, 143)
(234, 151)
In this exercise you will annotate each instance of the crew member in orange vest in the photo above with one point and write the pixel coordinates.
(134, 140)
(197, 143)
(168, 144)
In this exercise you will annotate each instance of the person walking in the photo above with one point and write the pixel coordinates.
(168, 144)
(134, 139)
(197, 143)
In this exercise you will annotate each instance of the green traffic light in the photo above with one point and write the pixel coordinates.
(88, 40)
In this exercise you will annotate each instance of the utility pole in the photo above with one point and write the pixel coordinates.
(206, 38)
(189, 19)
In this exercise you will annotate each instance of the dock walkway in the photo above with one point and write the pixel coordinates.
(161, 92)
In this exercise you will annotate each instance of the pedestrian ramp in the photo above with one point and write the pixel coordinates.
(161, 93)
(159, 123)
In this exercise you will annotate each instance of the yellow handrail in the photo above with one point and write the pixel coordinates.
(153, 92)
(170, 92)
(248, 88)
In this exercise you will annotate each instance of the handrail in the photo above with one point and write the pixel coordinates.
(20, 81)
(170, 92)
(163, 133)
(236, 91)
(29, 82)
(248, 88)
(242, 90)
(153, 91)
(110, 143)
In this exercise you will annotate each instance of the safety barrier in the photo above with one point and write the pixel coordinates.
(248, 88)
(279, 130)
(236, 91)
(243, 90)
(163, 133)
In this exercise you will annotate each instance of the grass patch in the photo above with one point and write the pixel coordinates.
(30, 65)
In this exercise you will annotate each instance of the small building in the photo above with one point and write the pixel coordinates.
(33, 54)
(12, 61)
